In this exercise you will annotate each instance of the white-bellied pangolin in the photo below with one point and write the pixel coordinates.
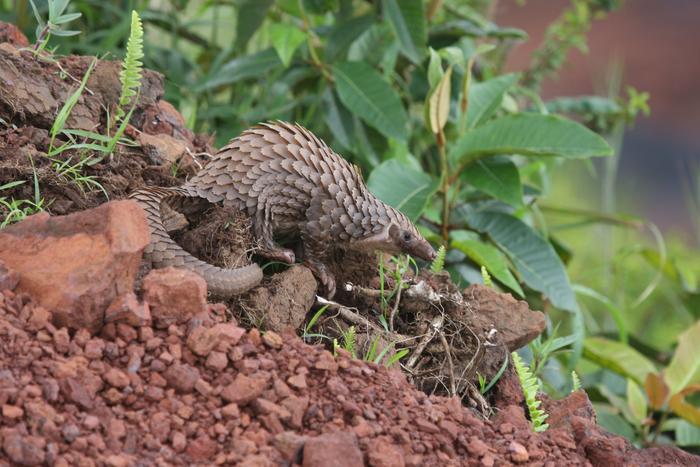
(290, 183)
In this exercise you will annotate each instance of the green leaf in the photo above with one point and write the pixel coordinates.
(402, 187)
(439, 103)
(251, 14)
(684, 368)
(364, 92)
(434, 69)
(487, 256)
(485, 98)
(618, 357)
(407, 18)
(248, 66)
(530, 135)
(343, 34)
(533, 257)
(687, 434)
(339, 120)
(497, 177)
(286, 38)
(636, 402)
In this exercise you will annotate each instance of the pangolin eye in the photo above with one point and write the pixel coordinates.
(406, 236)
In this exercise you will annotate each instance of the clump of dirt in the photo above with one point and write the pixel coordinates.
(136, 395)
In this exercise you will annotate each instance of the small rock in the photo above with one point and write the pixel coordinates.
(326, 362)
(217, 361)
(339, 449)
(12, 412)
(382, 453)
(290, 445)
(244, 389)
(178, 441)
(94, 349)
(181, 377)
(272, 340)
(117, 378)
(127, 309)
(174, 295)
(297, 381)
(91, 422)
(518, 453)
(201, 449)
(22, 449)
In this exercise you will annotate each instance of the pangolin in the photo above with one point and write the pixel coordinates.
(291, 184)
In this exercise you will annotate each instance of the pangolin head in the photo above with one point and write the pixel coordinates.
(398, 235)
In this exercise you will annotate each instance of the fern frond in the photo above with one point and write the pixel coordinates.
(132, 67)
(349, 340)
(439, 261)
(576, 381)
(530, 387)
(486, 277)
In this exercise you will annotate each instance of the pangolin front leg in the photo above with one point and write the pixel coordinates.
(314, 253)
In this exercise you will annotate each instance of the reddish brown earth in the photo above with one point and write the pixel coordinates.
(100, 366)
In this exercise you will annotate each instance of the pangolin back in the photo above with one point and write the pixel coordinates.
(288, 177)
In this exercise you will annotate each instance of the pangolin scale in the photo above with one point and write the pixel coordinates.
(291, 184)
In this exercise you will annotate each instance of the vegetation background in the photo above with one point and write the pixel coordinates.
(428, 99)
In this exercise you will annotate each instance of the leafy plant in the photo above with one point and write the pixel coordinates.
(439, 261)
(132, 67)
(57, 19)
(530, 388)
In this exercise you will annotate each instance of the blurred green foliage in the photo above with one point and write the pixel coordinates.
(415, 93)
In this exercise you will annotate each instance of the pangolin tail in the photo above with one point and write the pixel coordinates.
(163, 251)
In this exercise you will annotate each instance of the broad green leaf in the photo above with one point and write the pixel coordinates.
(533, 257)
(439, 103)
(486, 97)
(364, 92)
(613, 422)
(530, 135)
(684, 368)
(497, 177)
(407, 18)
(372, 45)
(343, 34)
(485, 255)
(402, 187)
(636, 401)
(434, 69)
(687, 434)
(286, 38)
(338, 119)
(251, 14)
(618, 357)
(248, 66)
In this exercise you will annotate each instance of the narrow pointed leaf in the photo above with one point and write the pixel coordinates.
(364, 92)
(251, 14)
(407, 18)
(439, 103)
(286, 38)
(529, 135)
(497, 177)
(533, 257)
(485, 98)
(618, 357)
(248, 66)
(684, 368)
